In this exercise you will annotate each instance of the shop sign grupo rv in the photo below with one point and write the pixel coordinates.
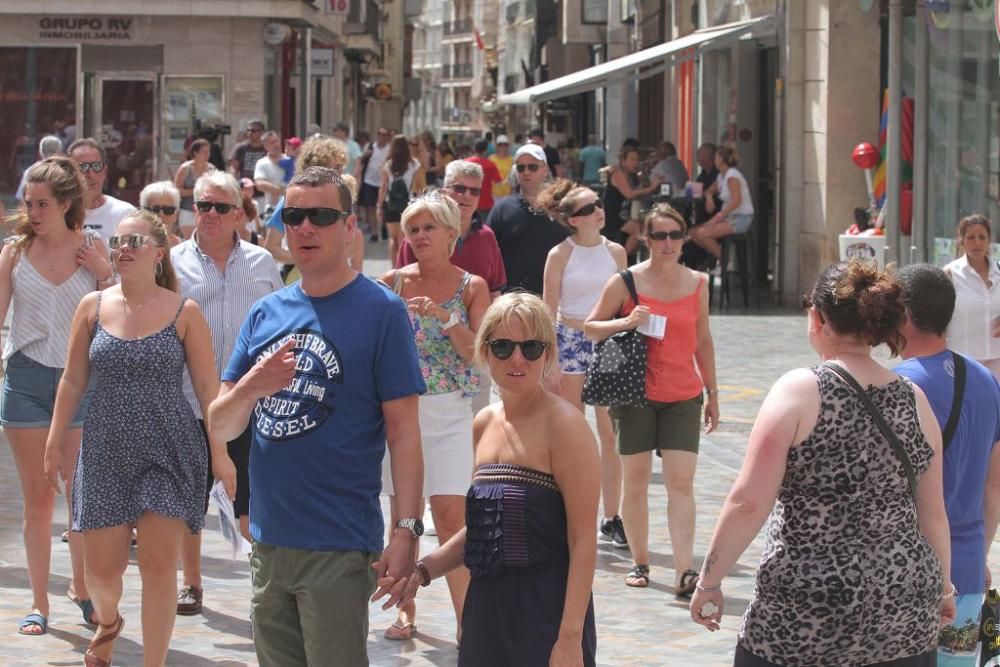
(117, 28)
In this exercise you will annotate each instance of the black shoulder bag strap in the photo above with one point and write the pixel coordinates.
(897, 446)
(956, 402)
(626, 275)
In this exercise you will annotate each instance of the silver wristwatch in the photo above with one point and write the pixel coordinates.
(453, 319)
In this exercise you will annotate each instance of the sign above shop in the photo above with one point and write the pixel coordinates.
(84, 28)
(276, 33)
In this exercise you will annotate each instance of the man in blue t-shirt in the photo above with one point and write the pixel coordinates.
(593, 158)
(971, 463)
(326, 372)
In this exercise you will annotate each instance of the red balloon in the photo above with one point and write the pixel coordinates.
(865, 156)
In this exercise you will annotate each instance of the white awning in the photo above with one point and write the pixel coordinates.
(641, 64)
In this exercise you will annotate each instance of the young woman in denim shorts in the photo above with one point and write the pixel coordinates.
(680, 369)
(575, 272)
(45, 269)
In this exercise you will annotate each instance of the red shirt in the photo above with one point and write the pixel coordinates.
(491, 175)
(478, 253)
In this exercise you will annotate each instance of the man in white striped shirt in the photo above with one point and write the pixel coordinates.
(225, 277)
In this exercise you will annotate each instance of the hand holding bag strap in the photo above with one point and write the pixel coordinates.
(956, 402)
(626, 275)
(897, 446)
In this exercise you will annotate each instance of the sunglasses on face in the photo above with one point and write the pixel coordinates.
(165, 210)
(133, 241)
(503, 348)
(530, 167)
(588, 209)
(673, 235)
(255, 130)
(462, 189)
(319, 217)
(221, 208)
(97, 166)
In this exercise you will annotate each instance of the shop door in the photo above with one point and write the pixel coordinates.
(125, 115)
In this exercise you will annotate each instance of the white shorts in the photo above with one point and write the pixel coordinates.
(446, 436)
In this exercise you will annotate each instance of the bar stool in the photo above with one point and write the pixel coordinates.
(743, 245)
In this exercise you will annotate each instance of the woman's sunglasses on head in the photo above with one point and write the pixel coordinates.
(503, 348)
(319, 217)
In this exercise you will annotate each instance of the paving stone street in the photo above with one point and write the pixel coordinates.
(635, 626)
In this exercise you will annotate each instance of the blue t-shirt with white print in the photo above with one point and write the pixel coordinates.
(316, 459)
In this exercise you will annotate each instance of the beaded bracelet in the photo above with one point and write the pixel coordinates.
(950, 594)
(708, 589)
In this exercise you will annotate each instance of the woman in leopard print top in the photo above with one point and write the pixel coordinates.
(855, 568)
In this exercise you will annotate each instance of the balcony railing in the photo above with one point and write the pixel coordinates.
(456, 71)
(458, 27)
(456, 116)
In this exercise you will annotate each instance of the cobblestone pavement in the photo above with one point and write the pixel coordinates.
(635, 627)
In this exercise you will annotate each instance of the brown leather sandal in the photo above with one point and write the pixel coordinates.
(110, 634)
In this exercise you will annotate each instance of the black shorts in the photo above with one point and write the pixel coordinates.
(239, 452)
(368, 196)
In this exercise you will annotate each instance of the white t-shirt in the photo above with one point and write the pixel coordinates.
(105, 218)
(372, 175)
(746, 205)
(273, 173)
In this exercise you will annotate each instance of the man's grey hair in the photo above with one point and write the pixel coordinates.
(222, 180)
(255, 121)
(343, 127)
(317, 177)
(159, 189)
(50, 146)
(458, 168)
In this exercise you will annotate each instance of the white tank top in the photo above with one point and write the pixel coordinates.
(583, 279)
(41, 313)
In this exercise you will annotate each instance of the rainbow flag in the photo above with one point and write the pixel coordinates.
(881, 173)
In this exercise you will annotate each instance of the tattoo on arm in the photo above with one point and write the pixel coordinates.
(711, 560)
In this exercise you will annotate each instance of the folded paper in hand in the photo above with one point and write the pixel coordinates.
(654, 327)
(228, 523)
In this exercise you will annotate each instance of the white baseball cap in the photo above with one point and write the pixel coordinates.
(502, 139)
(532, 150)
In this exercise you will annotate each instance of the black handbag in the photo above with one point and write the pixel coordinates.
(617, 372)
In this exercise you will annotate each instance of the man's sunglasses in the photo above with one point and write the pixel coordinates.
(588, 209)
(502, 348)
(165, 210)
(673, 235)
(530, 167)
(462, 189)
(97, 166)
(319, 217)
(133, 241)
(206, 206)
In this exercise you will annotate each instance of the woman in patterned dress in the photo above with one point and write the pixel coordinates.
(142, 460)
(855, 567)
(45, 269)
(446, 304)
(529, 543)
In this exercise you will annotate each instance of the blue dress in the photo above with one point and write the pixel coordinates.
(518, 555)
(142, 448)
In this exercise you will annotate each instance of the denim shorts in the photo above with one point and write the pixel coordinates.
(575, 350)
(740, 221)
(29, 394)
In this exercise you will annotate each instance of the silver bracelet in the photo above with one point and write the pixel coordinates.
(950, 594)
(708, 589)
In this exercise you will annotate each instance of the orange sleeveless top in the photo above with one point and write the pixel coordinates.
(671, 375)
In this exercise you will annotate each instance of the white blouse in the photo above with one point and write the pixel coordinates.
(976, 306)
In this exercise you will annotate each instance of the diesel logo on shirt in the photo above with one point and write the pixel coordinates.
(307, 401)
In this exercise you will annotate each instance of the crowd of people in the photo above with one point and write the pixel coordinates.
(152, 352)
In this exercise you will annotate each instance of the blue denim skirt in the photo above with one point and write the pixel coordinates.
(28, 396)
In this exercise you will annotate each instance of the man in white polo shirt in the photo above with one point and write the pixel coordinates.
(105, 211)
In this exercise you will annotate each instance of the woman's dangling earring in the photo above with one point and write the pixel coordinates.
(159, 268)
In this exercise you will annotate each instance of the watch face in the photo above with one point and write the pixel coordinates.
(418, 527)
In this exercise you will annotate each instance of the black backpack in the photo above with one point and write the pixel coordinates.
(399, 196)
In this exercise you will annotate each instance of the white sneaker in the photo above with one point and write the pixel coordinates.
(429, 522)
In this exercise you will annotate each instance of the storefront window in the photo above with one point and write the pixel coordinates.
(37, 98)
(963, 114)
(192, 108)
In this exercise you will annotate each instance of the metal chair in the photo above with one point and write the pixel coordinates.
(743, 245)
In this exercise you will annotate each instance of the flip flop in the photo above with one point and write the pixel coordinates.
(33, 620)
(689, 582)
(400, 632)
(86, 607)
(638, 576)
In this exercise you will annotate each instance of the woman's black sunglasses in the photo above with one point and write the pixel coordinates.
(206, 206)
(529, 167)
(588, 209)
(319, 217)
(166, 210)
(673, 235)
(502, 348)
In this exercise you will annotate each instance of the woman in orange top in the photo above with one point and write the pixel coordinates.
(680, 368)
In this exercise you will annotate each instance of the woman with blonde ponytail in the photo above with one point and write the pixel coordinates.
(143, 458)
